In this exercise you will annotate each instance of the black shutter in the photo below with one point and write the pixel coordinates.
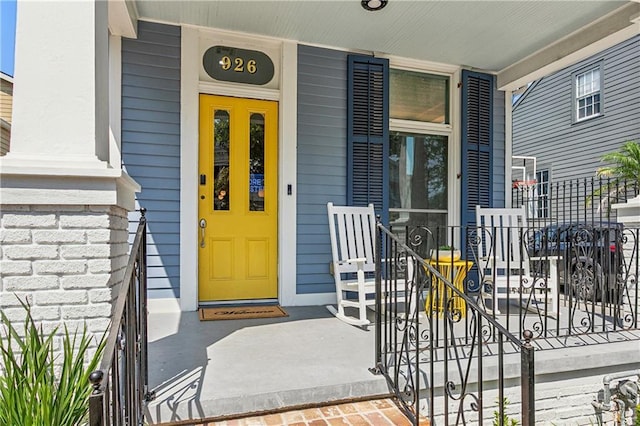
(477, 157)
(368, 133)
(477, 143)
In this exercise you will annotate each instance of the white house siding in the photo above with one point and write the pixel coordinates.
(542, 119)
(62, 260)
(322, 162)
(151, 145)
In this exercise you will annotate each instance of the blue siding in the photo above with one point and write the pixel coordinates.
(498, 147)
(151, 145)
(322, 150)
(542, 118)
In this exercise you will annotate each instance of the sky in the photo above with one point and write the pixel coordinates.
(8, 35)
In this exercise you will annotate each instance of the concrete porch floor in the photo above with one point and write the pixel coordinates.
(202, 369)
(214, 369)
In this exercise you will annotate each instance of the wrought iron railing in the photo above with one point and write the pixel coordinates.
(443, 355)
(584, 200)
(598, 273)
(120, 385)
(592, 289)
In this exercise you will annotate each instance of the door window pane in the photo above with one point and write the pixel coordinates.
(221, 160)
(430, 229)
(419, 96)
(256, 163)
(418, 171)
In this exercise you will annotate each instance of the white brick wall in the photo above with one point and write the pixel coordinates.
(64, 260)
(562, 399)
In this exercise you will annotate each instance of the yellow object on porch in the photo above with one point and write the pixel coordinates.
(454, 271)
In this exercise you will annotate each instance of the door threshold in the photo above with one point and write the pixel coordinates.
(242, 302)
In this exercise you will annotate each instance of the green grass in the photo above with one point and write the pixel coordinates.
(506, 420)
(36, 387)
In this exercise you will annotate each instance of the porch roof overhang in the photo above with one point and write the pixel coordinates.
(519, 41)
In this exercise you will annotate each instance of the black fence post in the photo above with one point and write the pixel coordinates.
(96, 399)
(378, 337)
(527, 380)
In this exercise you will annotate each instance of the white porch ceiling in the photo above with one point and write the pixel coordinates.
(484, 35)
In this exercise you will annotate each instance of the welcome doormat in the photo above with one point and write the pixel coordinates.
(241, 312)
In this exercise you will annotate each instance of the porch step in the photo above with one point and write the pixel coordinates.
(378, 412)
(227, 368)
(271, 402)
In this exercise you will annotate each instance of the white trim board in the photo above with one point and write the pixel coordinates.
(617, 26)
(189, 111)
(191, 87)
(164, 305)
(287, 175)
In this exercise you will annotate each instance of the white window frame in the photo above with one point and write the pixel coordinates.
(451, 130)
(542, 207)
(588, 91)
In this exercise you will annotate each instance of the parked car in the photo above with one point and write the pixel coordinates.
(591, 258)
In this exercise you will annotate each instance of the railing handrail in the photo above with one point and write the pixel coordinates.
(118, 310)
(452, 287)
(401, 344)
(120, 385)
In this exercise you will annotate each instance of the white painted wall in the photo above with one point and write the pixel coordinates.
(60, 151)
(63, 219)
(58, 91)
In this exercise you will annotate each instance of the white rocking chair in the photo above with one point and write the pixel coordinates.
(353, 232)
(353, 247)
(504, 262)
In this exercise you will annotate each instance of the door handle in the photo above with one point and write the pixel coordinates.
(203, 225)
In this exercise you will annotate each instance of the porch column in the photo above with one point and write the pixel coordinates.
(61, 85)
(64, 207)
(629, 215)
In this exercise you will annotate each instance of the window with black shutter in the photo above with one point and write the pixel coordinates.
(477, 141)
(477, 158)
(368, 133)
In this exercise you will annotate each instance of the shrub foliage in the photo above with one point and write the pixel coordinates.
(38, 389)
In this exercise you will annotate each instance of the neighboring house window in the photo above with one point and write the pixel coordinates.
(542, 178)
(588, 93)
(419, 138)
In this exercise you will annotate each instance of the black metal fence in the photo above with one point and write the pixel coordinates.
(120, 386)
(443, 355)
(585, 200)
(441, 341)
(598, 256)
(564, 280)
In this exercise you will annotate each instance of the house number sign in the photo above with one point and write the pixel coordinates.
(238, 65)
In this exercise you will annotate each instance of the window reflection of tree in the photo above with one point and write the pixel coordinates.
(418, 177)
(256, 160)
(221, 161)
(221, 167)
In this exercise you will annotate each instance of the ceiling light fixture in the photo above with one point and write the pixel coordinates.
(373, 5)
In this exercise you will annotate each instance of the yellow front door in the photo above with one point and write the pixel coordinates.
(237, 203)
